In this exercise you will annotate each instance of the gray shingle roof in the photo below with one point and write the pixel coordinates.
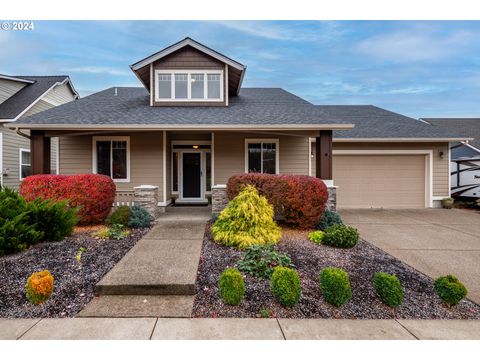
(469, 127)
(14, 105)
(266, 106)
(374, 122)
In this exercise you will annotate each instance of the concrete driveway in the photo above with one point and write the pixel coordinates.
(434, 241)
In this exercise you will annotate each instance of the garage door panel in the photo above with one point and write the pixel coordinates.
(389, 181)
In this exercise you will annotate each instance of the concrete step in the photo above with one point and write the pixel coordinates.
(139, 306)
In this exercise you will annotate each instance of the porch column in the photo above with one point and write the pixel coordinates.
(323, 160)
(39, 152)
(324, 167)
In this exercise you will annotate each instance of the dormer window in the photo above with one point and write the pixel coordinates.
(189, 85)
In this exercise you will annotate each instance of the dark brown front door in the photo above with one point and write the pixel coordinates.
(192, 175)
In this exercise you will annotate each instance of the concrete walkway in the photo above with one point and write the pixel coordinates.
(236, 329)
(157, 276)
(434, 241)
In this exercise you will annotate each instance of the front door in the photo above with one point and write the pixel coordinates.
(192, 175)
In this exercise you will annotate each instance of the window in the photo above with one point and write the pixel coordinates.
(111, 157)
(261, 156)
(25, 163)
(189, 85)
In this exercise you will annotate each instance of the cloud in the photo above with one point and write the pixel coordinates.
(416, 44)
(97, 70)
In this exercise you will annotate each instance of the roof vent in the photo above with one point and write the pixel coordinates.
(116, 92)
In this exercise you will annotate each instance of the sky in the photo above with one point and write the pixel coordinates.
(417, 68)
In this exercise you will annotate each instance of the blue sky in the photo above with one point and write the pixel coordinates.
(420, 69)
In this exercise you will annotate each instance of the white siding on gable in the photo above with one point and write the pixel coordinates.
(38, 107)
(60, 94)
(8, 88)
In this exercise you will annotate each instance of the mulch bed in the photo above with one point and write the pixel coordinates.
(361, 262)
(75, 281)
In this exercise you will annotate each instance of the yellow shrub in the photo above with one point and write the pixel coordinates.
(247, 220)
(39, 287)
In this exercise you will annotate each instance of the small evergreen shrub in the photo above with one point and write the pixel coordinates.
(247, 220)
(16, 234)
(316, 236)
(232, 286)
(139, 217)
(116, 232)
(120, 215)
(39, 287)
(329, 218)
(450, 289)
(335, 286)
(261, 260)
(388, 288)
(285, 285)
(341, 236)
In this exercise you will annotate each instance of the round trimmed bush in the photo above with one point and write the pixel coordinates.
(329, 218)
(388, 288)
(316, 236)
(139, 217)
(335, 286)
(285, 285)
(39, 287)
(450, 289)
(232, 286)
(121, 215)
(341, 236)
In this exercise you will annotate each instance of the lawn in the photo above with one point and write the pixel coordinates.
(361, 262)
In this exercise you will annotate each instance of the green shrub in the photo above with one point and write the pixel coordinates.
(115, 231)
(232, 287)
(261, 260)
(285, 285)
(341, 236)
(139, 217)
(335, 286)
(120, 215)
(329, 218)
(16, 234)
(247, 220)
(450, 289)
(388, 288)
(316, 236)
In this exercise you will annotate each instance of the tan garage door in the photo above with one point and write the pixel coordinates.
(388, 181)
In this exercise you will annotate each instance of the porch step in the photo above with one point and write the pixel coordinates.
(139, 306)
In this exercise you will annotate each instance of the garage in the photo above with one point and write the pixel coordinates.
(380, 181)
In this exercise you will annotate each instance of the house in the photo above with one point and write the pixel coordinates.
(20, 97)
(465, 156)
(192, 125)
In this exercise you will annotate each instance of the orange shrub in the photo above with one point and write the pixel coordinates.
(39, 287)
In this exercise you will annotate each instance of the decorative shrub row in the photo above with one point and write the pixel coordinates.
(92, 194)
(247, 220)
(23, 223)
(133, 217)
(300, 199)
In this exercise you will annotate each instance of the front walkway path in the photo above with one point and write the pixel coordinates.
(157, 276)
(232, 329)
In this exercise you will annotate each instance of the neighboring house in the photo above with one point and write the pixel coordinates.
(192, 126)
(465, 156)
(20, 97)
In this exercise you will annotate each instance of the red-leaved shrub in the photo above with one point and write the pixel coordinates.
(92, 194)
(300, 199)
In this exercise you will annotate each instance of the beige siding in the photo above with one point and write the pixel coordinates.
(8, 88)
(11, 156)
(440, 166)
(146, 157)
(230, 153)
(60, 94)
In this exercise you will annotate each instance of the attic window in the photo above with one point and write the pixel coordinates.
(189, 85)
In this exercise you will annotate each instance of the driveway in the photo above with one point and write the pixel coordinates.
(434, 241)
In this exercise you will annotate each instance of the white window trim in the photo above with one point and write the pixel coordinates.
(261, 141)
(20, 151)
(111, 138)
(189, 82)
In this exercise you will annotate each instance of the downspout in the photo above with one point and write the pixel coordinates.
(19, 132)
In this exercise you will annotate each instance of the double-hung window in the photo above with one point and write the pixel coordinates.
(261, 156)
(189, 85)
(111, 157)
(24, 163)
